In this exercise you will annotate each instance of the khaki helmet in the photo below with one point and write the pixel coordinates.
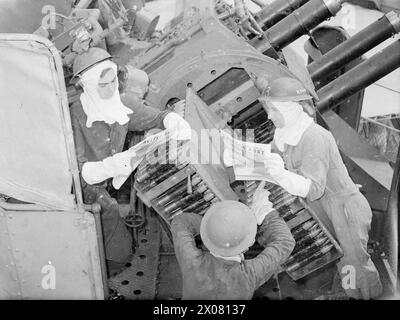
(286, 89)
(88, 59)
(228, 228)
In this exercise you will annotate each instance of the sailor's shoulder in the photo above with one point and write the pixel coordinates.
(315, 131)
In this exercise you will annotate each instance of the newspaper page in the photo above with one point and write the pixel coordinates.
(246, 158)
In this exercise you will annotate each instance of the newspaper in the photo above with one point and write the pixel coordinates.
(150, 144)
(139, 151)
(246, 158)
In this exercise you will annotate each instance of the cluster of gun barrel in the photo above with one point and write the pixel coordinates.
(311, 240)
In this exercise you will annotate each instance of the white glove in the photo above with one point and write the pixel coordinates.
(274, 165)
(119, 180)
(178, 127)
(293, 183)
(261, 205)
(119, 165)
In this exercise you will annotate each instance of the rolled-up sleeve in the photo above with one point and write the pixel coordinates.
(144, 117)
(184, 228)
(274, 235)
(314, 165)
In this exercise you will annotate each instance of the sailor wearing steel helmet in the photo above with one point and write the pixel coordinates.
(315, 171)
(227, 230)
(100, 121)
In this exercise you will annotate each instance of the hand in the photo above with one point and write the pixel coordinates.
(274, 165)
(261, 205)
(120, 164)
(178, 127)
(134, 161)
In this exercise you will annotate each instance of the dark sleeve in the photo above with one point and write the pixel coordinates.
(184, 228)
(274, 235)
(89, 191)
(78, 139)
(144, 117)
(314, 163)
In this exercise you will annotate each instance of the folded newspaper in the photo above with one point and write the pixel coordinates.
(150, 143)
(139, 151)
(246, 158)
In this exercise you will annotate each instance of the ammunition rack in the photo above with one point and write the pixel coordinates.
(315, 246)
(179, 186)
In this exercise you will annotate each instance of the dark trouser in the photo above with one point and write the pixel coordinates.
(117, 238)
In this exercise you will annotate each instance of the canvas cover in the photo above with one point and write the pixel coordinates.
(34, 161)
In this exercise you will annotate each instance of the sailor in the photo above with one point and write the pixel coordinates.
(315, 171)
(100, 121)
(228, 229)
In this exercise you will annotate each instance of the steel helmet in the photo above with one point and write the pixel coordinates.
(228, 228)
(88, 59)
(286, 89)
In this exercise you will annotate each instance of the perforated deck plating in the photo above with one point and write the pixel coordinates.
(139, 280)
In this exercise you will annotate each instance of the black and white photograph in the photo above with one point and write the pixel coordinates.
(231, 152)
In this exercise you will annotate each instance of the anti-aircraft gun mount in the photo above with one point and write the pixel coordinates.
(209, 58)
(210, 50)
(211, 54)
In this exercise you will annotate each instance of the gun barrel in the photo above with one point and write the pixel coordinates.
(83, 4)
(298, 23)
(354, 47)
(360, 77)
(276, 11)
